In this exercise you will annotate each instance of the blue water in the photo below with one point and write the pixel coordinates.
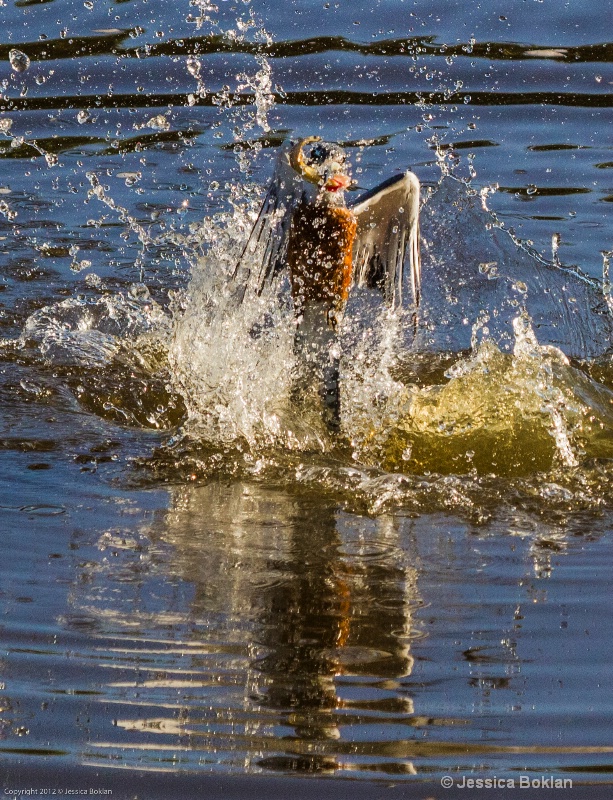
(183, 605)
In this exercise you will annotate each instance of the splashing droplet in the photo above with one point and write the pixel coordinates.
(159, 121)
(7, 211)
(19, 61)
(130, 178)
(193, 66)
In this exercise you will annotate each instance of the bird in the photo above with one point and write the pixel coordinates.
(308, 232)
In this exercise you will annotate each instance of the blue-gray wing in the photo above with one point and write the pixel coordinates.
(264, 255)
(387, 240)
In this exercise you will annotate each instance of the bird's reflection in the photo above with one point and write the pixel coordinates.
(321, 600)
(333, 615)
(250, 627)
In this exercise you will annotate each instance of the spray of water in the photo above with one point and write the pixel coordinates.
(233, 364)
(507, 401)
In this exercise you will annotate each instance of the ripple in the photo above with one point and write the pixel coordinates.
(38, 510)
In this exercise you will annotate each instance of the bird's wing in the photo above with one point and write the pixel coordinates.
(263, 257)
(388, 237)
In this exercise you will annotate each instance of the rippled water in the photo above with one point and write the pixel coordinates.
(199, 576)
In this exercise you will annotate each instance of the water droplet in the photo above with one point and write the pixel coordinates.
(77, 266)
(193, 66)
(94, 281)
(5, 125)
(19, 61)
(130, 178)
(159, 121)
(6, 210)
(83, 116)
(139, 291)
(532, 189)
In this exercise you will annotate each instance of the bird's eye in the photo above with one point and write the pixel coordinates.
(319, 154)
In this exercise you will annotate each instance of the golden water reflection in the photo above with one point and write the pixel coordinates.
(289, 650)
(243, 628)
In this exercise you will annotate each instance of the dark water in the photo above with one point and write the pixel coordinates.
(197, 580)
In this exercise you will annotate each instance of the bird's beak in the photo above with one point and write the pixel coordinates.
(338, 182)
(296, 159)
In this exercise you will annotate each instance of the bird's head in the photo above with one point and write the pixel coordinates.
(323, 164)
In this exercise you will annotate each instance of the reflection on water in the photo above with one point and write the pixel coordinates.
(238, 627)
(250, 628)
(293, 640)
(424, 595)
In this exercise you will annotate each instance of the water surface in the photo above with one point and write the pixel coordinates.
(199, 579)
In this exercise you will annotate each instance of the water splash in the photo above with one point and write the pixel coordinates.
(100, 193)
(373, 401)
(240, 119)
(90, 331)
(234, 363)
(606, 278)
(507, 413)
(18, 60)
(16, 141)
(556, 403)
(261, 85)
(512, 405)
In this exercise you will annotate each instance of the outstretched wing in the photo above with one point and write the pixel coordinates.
(388, 236)
(263, 256)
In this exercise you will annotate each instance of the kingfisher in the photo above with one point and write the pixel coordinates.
(307, 231)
